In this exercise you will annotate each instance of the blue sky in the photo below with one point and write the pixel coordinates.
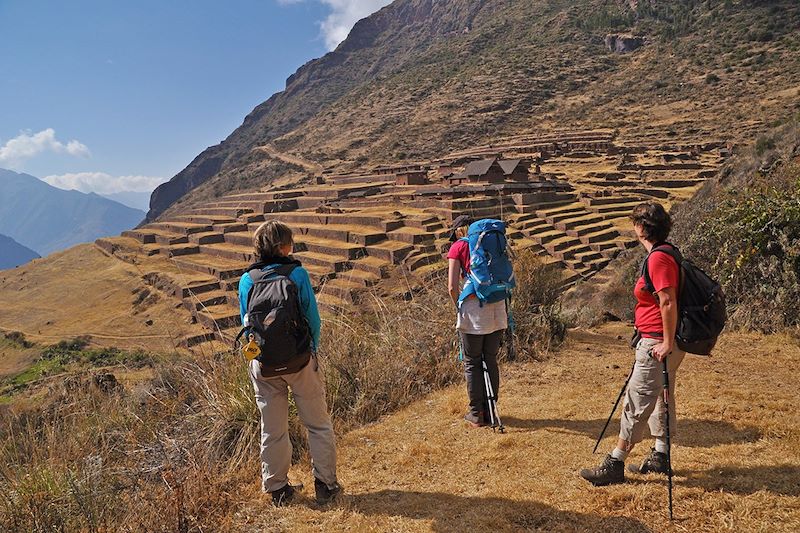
(108, 96)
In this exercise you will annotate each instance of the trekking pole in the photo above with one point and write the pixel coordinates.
(669, 443)
(494, 416)
(621, 392)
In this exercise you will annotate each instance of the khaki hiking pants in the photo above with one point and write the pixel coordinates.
(272, 398)
(644, 398)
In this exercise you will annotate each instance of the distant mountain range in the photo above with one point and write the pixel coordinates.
(13, 254)
(136, 200)
(47, 219)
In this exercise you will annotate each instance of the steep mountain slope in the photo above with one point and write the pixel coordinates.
(420, 78)
(13, 254)
(46, 219)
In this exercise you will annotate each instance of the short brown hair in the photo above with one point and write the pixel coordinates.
(654, 220)
(270, 237)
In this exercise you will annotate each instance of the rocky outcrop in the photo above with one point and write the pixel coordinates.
(623, 44)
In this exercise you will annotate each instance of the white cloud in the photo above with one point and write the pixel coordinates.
(102, 183)
(344, 14)
(27, 145)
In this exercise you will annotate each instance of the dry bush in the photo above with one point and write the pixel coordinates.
(389, 354)
(536, 306)
(159, 458)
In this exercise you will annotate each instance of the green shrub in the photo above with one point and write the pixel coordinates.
(763, 144)
(18, 339)
(751, 243)
(71, 355)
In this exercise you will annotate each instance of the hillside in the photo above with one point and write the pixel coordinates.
(421, 78)
(13, 254)
(97, 296)
(47, 219)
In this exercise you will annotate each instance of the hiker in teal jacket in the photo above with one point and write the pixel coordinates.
(273, 246)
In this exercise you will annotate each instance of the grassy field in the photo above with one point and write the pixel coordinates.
(736, 460)
(83, 292)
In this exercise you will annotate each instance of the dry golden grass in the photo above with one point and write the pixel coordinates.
(178, 450)
(82, 291)
(737, 459)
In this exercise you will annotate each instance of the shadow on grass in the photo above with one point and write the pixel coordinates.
(451, 512)
(778, 479)
(691, 433)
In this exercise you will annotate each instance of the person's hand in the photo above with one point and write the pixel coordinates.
(661, 350)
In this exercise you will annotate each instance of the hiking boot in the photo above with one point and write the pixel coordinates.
(475, 421)
(656, 463)
(283, 495)
(324, 493)
(611, 471)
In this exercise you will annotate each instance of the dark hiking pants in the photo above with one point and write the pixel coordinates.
(477, 348)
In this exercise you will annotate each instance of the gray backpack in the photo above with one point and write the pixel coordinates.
(701, 303)
(277, 323)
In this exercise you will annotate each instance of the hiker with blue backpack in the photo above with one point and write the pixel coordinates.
(679, 309)
(479, 256)
(281, 325)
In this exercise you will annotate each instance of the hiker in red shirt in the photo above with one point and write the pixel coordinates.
(656, 319)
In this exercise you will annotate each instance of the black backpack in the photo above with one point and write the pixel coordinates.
(276, 321)
(701, 304)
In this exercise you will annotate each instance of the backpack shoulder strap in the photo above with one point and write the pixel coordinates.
(285, 270)
(256, 275)
(282, 270)
(672, 251)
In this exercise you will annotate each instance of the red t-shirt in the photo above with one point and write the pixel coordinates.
(460, 250)
(664, 273)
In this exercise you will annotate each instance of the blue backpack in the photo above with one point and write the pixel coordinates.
(491, 276)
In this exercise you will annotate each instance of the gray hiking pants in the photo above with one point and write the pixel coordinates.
(272, 398)
(477, 347)
(644, 400)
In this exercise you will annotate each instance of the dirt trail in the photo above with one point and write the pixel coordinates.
(737, 459)
(274, 153)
